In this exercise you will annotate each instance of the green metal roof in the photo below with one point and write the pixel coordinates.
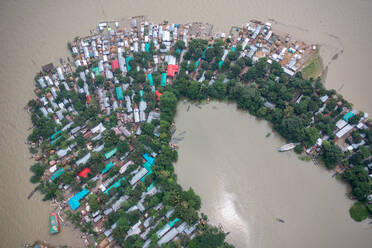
(117, 184)
(110, 153)
(171, 223)
(220, 64)
(127, 59)
(57, 174)
(107, 167)
(149, 76)
(163, 81)
(197, 64)
(119, 93)
(55, 134)
(95, 70)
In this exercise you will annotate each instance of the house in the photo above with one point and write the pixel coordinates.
(60, 74)
(136, 115)
(344, 130)
(256, 32)
(47, 68)
(98, 129)
(119, 93)
(114, 64)
(168, 237)
(74, 201)
(84, 159)
(171, 70)
(163, 80)
(124, 131)
(41, 82)
(125, 167)
(340, 124)
(128, 104)
(141, 173)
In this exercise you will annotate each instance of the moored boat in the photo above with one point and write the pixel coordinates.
(287, 147)
(54, 224)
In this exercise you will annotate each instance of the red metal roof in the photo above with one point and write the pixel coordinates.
(88, 98)
(158, 95)
(114, 64)
(84, 173)
(172, 69)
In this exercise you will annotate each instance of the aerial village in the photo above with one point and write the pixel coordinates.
(100, 131)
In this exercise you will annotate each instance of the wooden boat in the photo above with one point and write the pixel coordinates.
(54, 224)
(287, 147)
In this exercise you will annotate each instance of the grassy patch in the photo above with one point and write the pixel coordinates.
(358, 211)
(33, 150)
(268, 135)
(305, 158)
(313, 68)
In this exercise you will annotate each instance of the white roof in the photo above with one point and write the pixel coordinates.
(125, 167)
(53, 168)
(138, 176)
(163, 230)
(168, 237)
(344, 131)
(84, 159)
(98, 129)
(341, 123)
(62, 152)
(324, 98)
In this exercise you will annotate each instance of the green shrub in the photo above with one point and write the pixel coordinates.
(358, 211)
(299, 149)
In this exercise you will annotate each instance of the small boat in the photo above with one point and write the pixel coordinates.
(54, 224)
(280, 220)
(287, 147)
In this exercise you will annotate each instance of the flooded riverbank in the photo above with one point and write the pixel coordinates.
(246, 184)
(34, 33)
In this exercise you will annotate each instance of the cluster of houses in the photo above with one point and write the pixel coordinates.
(258, 40)
(108, 54)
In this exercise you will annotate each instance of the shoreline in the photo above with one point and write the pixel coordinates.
(80, 85)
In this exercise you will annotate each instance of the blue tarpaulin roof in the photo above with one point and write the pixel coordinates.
(348, 115)
(74, 201)
(147, 47)
(148, 158)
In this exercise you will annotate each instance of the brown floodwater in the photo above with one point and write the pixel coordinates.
(246, 184)
(34, 33)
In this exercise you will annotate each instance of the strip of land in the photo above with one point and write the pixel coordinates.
(103, 123)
